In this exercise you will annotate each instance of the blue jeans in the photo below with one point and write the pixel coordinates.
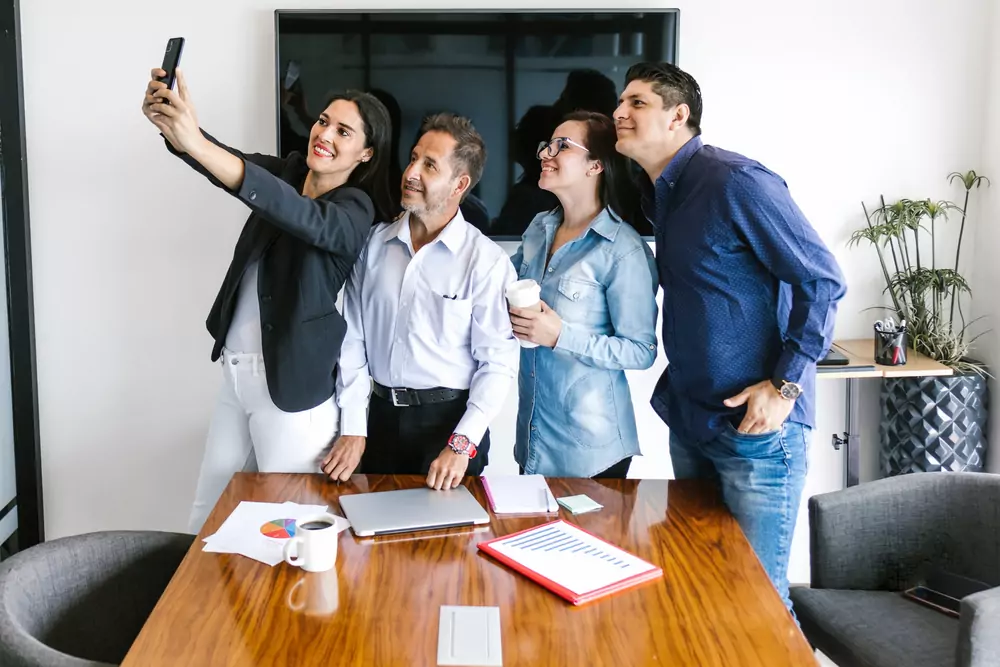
(761, 478)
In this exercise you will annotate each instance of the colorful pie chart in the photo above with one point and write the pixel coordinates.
(279, 529)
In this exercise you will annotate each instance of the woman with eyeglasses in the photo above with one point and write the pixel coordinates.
(598, 310)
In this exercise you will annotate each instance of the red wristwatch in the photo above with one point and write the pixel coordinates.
(462, 445)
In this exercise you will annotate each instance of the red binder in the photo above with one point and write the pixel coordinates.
(570, 561)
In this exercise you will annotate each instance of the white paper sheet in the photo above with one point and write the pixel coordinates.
(241, 531)
(469, 637)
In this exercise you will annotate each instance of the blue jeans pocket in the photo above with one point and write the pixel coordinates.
(754, 446)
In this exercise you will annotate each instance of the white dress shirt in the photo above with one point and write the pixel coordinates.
(434, 318)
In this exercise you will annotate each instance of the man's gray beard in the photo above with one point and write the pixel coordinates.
(423, 211)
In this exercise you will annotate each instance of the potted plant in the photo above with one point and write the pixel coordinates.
(929, 423)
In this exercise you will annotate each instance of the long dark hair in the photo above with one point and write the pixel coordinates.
(373, 176)
(617, 190)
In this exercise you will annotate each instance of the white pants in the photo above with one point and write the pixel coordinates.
(248, 432)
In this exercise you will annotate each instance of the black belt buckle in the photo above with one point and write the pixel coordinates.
(395, 398)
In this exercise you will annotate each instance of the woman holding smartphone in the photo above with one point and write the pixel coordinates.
(598, 310)
(275, 322)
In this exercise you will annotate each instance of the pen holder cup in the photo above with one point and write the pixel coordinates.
(890, 347)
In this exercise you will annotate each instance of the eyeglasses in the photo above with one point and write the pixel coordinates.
(556, 145)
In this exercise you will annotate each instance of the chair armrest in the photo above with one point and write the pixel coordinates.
(882, 535)
(979, 630)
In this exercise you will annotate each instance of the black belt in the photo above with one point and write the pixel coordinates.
(411, 398)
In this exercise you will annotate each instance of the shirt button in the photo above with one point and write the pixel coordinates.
(253, 195)
(534, 428)
(235, 361)
(268, 327)
(670, 184)
(652, 347)
(551, 269)
(576, 295)
(265, 298)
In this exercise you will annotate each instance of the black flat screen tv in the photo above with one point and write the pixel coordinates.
(511, 73)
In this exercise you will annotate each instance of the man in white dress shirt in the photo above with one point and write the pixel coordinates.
(427, 321)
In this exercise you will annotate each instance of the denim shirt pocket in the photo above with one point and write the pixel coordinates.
(580, 302)
(591, 402)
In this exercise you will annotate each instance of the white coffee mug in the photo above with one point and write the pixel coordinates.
(315, 594)
(525, 294)
(315, 543)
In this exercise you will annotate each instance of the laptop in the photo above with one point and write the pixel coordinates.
(408, 510)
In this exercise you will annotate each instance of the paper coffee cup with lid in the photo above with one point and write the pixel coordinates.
(527, 295)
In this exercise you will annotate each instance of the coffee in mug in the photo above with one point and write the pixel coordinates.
(525, 294)
(314, 544)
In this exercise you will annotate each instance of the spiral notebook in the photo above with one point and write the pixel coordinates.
(570, 562)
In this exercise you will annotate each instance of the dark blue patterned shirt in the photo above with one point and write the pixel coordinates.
(749, 289)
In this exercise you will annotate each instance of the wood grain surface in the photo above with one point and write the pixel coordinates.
(380, 606)
(917, 364)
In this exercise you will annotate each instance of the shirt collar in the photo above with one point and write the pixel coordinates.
(453, 233)
(452, 236)
(605, 224)
(676, 166)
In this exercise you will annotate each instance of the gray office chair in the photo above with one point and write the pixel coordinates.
(870, 542)
(81, 601)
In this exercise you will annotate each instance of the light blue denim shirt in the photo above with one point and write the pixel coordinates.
(574, 416)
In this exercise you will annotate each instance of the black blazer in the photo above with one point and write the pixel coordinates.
(306, 249)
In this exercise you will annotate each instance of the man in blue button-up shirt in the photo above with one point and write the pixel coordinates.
(749, 297)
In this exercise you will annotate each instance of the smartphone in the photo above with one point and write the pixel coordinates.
(935, 600)
(171, 58)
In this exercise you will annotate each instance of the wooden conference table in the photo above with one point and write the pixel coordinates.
(713, 605)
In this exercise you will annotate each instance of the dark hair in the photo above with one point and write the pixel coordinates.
(470, 150)
(373, 176)
(672, 84)
(617, 190)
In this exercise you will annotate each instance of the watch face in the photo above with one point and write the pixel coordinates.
(790, 391)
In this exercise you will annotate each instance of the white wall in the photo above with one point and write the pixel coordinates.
(845, 101)
(986, 274)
